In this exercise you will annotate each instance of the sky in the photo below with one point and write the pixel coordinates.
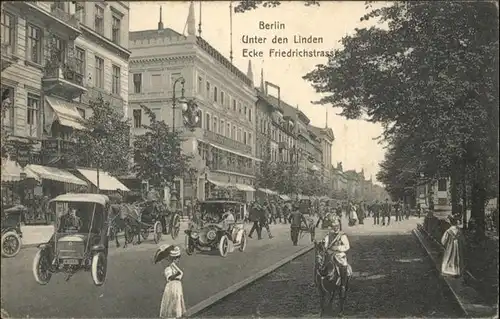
(354, 145)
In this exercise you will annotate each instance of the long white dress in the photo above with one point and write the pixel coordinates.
(453, 259)
(172, 302)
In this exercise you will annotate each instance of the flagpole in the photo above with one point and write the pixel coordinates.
(231, 31)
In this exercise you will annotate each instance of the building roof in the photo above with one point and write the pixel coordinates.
(153, 34)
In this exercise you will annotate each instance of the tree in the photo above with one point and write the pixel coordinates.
(430, 79)
(158, 154)
(248, 5)
(104, 141)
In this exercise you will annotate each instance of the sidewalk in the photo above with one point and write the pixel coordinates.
(469, 299)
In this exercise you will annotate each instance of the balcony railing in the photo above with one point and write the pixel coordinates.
(68, 18)
(63, 71)
(234, 168)
(227, 142)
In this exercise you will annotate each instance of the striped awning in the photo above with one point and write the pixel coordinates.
(12, 172)
(268, 191)
(245, 188)
(55, 174)
(221, 184)
(106, 181)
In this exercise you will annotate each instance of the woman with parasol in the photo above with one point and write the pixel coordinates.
(454, 242)
(172, 302)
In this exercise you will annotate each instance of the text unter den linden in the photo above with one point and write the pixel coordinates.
(251, 44)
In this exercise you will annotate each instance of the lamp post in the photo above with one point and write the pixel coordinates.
(182, 100)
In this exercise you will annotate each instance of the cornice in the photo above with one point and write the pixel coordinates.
(105, 42)
(161, 59)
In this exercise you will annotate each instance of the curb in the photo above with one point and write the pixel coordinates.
(237, 286)
(469, 309)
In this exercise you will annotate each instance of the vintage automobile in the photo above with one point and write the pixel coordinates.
(80, 239)
(11, 230)
(212, 232)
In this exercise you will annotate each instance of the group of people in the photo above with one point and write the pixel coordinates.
(380, 211)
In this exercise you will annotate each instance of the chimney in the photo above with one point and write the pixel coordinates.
(191, 27)
(249, 71)
(160, 23)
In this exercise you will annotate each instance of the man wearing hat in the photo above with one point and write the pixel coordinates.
(253, 216)
(296, 219)
(337, 244)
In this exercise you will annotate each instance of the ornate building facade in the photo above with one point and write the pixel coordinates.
(224, 143)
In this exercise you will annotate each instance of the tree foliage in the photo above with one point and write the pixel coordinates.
(158, 154)
(248, 5)
(105, 140)
(429, 76)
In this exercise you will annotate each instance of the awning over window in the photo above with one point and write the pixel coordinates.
(234, 152)
(106, 181)
(245, 188)
(221, 184)
(64, 111)
(285, 197)
(11, 171)
(268, 191)
(55, 174)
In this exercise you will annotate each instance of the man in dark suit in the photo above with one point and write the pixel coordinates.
(253, 216)
(376, 212)
(386, 212)
(295, 219)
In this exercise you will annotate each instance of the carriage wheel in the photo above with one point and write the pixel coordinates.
(223, 246)
(145, 234)
(157, 232)
(11, 244)
(243, 242)
(189, 246)
(40, 268)
(99, 268)
(128, 234)
(175, 226)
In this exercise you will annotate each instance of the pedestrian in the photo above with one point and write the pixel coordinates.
(286, 212)
(386, 212)
(376, 213)
(264, 218)
(361, 212)
(296, 219)
(254, 217)
(397, 210)
(454, 244)
(273, 212)
(419, 210)
(172, 302)
(407, 211)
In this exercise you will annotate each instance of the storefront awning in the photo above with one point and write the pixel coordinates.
(285, 197)
(64, 111)
(106, 181)
(268, 191)
(245, 188)
(221, 184)
(234, 152)
(11, 171)
(55, 174)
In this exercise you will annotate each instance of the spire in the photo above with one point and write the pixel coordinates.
(249, 71)
(231, 32)
(262, 80)
(191, 22)
(199, 24)
(160, 23)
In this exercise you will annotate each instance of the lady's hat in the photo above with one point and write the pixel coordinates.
(165, 251)
(175, 252)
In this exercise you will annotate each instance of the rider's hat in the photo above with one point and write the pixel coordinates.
(335, 222)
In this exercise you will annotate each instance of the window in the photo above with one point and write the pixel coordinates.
(246, 111)
(238, 135)
(250, 115)
(137, 114)
(8, 106)
(207, 122)
(208, 89)
(156, 83)
(250, 139)
(174, 77)
(234, 105)
(221, 98)
(442, 183)
(33, 108)
(80, 11)
(137, 78)
(222, 127)
(34, 45)
(239, 107)
(228, 130)
(99, 20)
(8, 31)
(245, 138)
(215, 94)
(81, 111)
(200, 84)
(80, 61)
(99, 73)
(115, 85)
(115, 30)
(233, 132)
(215, 124)
(60, 47)
(59, 5)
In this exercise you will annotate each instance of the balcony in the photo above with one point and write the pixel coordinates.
(93, 94)
(63, 80)
(8, 56)
(233, 168)
(55, 19)
(55, 148)
(226, 142)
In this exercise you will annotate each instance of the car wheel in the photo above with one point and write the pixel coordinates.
(99, 268)
(243, 242)
(176, 226)
(41, 267)
(157, 232)
(189, 246)
(223, 246)
(11, 244)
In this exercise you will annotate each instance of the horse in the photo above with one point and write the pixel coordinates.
(322, 267)
(125, 217)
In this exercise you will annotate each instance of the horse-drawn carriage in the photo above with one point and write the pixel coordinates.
(11, 229)
(80, 239)
(215, 230)
(306, 207)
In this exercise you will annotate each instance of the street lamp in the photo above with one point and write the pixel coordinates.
(182, 101)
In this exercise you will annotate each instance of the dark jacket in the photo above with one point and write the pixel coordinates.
(296, 219)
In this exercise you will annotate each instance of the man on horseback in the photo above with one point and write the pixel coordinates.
(337, 244)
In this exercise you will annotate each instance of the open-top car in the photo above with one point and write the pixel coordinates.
(221, 227)
(11, 229)
(80, 239)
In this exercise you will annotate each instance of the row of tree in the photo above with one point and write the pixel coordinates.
(428, 72)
